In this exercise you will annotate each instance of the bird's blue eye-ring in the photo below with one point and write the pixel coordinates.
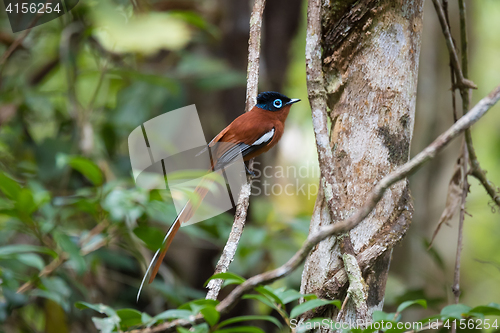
(277, 103)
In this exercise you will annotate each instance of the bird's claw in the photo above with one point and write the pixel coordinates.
(250, 172)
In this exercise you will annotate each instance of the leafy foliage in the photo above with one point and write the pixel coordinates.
(74, 226)
(76, 230)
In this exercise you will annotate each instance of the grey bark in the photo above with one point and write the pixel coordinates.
(370, 66)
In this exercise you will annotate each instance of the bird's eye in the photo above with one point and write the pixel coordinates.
(277, 103)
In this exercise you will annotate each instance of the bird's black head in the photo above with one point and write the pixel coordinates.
(274, 101)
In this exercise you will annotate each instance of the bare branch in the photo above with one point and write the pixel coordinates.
(227, 256)
(476, 169)
(229, 251)
(254, 53)
(452, 76)
(461, 81)
(480, 174)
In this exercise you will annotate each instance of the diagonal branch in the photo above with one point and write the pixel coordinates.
(341, 227)
(229, 251)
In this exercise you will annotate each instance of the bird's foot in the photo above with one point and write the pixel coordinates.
(250, 172)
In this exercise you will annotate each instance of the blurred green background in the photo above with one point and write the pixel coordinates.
(75, 228)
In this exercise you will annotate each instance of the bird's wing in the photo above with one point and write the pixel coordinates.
(233, 150)
(245, 135)
(214, 141)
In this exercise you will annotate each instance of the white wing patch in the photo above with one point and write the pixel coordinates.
(265, 138)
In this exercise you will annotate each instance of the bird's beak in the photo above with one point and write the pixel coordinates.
(293, 100)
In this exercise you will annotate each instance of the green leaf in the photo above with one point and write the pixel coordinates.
(202, 328)
(72, 249)
(269, 293)
(312, 304)
(49, 294)
(152, 237)
(394, 329)
(407, 304)
(247, 318)
(310, 324)
(210, 314)
(262, 299)
(6, 251)
(434, 254)
(129, 317)
(199, 303)
(25, 203)
(83, 165)
(491, 309)
(145, 318)
(31, 259)
(291, 295)
(9, 187)
(230, 278)
(104, 325)
(240, 329)
(381, 315)
(171, 314)
(101, 308)
(454, 311)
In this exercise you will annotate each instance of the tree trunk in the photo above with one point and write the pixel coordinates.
(370, 52)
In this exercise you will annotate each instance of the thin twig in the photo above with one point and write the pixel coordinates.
(14, 46)
(229, 251)
(480, 175)
(47, 270)
(342, 308)
(452, 71)
(468, 154)
(341, 227)
(63, 257)
(461, 81)
(476, 169)
(465, 189)
(19, 41)
(465, 93)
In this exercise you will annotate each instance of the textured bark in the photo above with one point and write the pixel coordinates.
(370, 65)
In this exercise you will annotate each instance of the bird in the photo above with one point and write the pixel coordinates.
(249, 135)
